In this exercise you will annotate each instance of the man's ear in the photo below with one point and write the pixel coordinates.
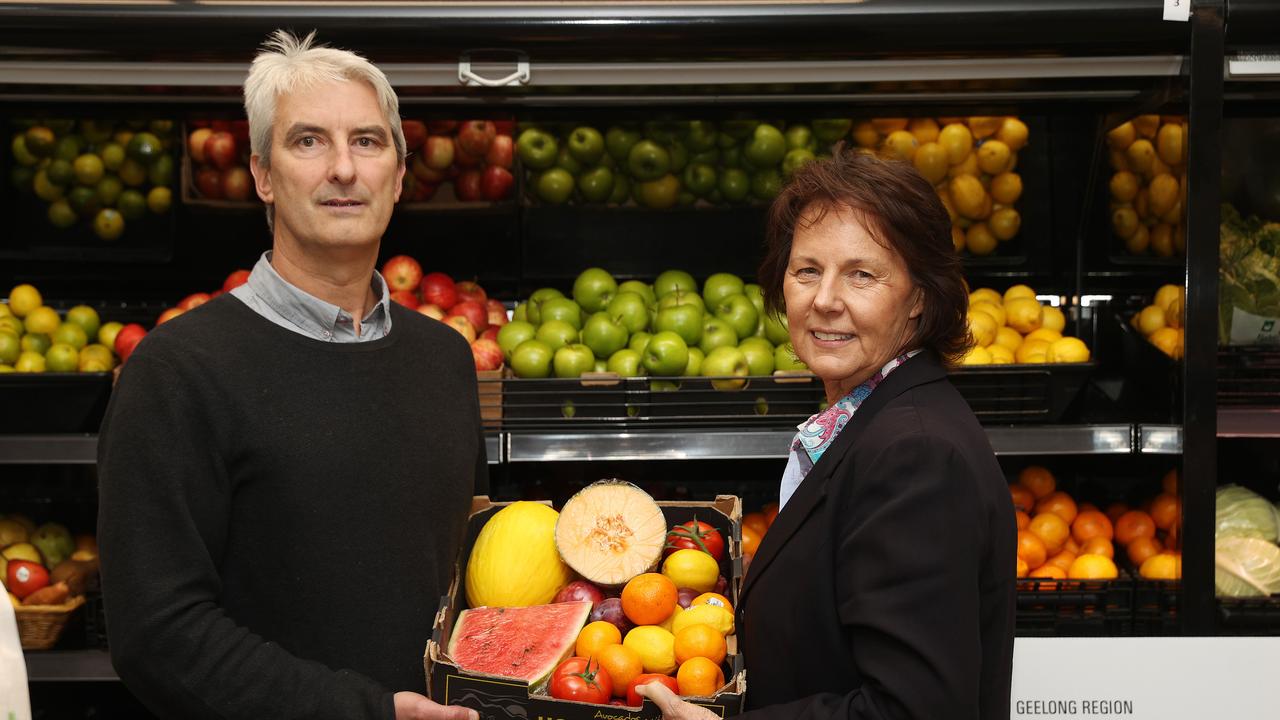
(400, 180)
(261, 180)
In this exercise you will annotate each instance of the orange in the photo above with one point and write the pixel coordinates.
(1049, 570)
(1051, 529)
(1116, 509)
(1133, 525)
(1162, 566)
(1031, 549)
(623, 665)
(756, 521)
(1058, 503)
(712, 599)
(595, 636)
(1098, 546)
(1086, 507)
(649, 598)
(750, 540)
(1023, 499)
(1062, 561)
(1071, 545)
(1022, 568)
(1038, 480)
(700, 640)
(699, 676)
(1024, 520)
(1092, 567)
(1142, 548)
(1166, 511)
(770, 511)
(1170, 482)
(1091, 524)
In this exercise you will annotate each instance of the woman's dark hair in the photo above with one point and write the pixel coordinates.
(903, 213)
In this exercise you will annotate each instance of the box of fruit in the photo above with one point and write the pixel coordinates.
(215, 165)
(563, 614)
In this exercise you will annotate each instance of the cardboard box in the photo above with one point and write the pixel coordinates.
(498, 698)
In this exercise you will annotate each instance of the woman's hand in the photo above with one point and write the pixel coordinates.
(672, 707)
(412, 706)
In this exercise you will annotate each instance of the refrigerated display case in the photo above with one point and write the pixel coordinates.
(1071, 69)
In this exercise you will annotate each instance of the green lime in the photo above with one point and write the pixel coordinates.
(88, 169)
(132, 204)
(109, 189)
(95, 131)
(69, 333)
(84, 201)
(40, 141)
(60, 173)
(12, 324)
(21, 177)
(61, 215)
(20, 151)
(161, 172)
(87, 318)
(62, 358)
(30, 362)
(112, 156)
(144, 147)
(108, 224)
(132, 172)
(36, 342)
(10, 348)
(68, 148)
(159, 199)
(46, 190)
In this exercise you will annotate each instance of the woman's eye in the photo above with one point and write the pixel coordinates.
(806, 273)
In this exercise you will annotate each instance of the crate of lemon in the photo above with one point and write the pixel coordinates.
(1148, 185)
(601, 581)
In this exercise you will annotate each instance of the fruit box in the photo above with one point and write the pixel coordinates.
(489, 390)
(500, 698)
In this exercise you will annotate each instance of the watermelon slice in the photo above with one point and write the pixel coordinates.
(519, 643)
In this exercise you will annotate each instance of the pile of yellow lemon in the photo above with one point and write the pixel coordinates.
(1149, 186)
(969, 160)
(1161, 321)
(1016, 328)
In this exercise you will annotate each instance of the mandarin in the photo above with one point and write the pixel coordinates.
(1169, 483)
(750, 540)
(1091, 524)
(1052, 529)
(1062, 561)
(1023, 499)
(623, 665)
(700, 640)
(1031, 549)
(1038, 480)
(1021, 568)
(1116, 509)
(1142, 548)
(1023, 519)
(699, 676)
(1162, 566)
(1166, 511)
(1058, 503)
(1133, 525)
(1049, 571)
(649, 598)
(595, 636)
(1093, 567)
(756, 521)
(1098, 546)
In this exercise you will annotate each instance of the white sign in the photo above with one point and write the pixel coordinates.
(1250, 329)
(1177, 10)
(1153, 678)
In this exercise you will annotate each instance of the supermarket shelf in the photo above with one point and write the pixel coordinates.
(493, 447)
(1062, 439)
(70, 665)
(1249, 422)
(1159, 439)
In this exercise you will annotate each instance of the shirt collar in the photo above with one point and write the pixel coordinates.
(316, 317)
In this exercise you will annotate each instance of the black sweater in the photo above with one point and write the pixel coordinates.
(279, 516)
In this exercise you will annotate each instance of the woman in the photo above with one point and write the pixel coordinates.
(885, 587)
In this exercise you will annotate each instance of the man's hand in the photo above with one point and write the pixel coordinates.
(672, 707)
(412, 706)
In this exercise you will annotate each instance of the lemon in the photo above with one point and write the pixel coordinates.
(1161, 235)
(1008, 338)
(70, 334)
(1005, 223)
(1119, 161)
(1141, 155)
(957, 140)
(132, 204)
(112, 156)
(1053, 319)
(1138, 242)
(993, 157)
(901, 145)
(132, 172)
(36, 343)
(159, 199)
(1019, 291)
(985, 295)
(671, 619)
(884, 126)
(1167, 294)
(713, 615)
(996, 311)
(20, 152)
(1024, 314)
(61, 215)
(1124, 221)
(44, 189)
(88, 169)
(1169, 341)
(1146, 125)
(108, 190)
(1122, 136)
(1032, 351)
(967, 166)
(1000, 355)
(1043, 333)
(1151, 319)
(1162, 193)
(1171, 144)
(655, 646)
(865, 136)
(968, 195)
(107, 333)
(1163, 245)
(12, 325)
(982, 328)
(945, 196)
(1006, 188)
(692, 569)
(976, 356)
(10, 348)
(1158, 167)
(62, 358)
(931, 160)
(979, 239)
(1142, 204)
(96, 354)
(108, 224)
(43, 320)
(925, 129)
(87, 318)
(1124, 186)
(30, 362)
(1013, 132)
(8, 369)
(1175, 314)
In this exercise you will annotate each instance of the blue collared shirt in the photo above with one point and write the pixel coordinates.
(275, 299)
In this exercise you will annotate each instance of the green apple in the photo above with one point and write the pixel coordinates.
(766, 184)
(107, 333)
(587, 145)
(626, 363)
(555, 334)
(554, 186)
(775, 328)
(648, 160)
(567, 162)
(701, 135)
(596, 184)
(671, 280)
(686, 198)
(679, 156)
(87, 318)
(720, 286)
(562, 309)
(784, 358)
(684, 320)
(513, 334)
(532, 359)
(537, 149)
(755, 294)
(830, 130)
(728, 363)
(660, 194)
(666, 354)
(69, 333)
(664, 131)
(765, 148)
(735, 184)
(730, 157)
(794, 159)
(639, 341)
(663, 386)
(604, 335)
(594, 288)
(601, 366)
(621, 190)
(539, 296)
(693, 368)
(619, 141)
(681, 297)
(571, 361)
(630, 310)
(521, 312)
(759, 354)
(800, 137)
(706, 157)
(716, 333)
(699, 179)
(741, 315)
(62, 357)
(641, 288)
(738, 129)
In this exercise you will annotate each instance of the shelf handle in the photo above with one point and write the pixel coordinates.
(468, 77)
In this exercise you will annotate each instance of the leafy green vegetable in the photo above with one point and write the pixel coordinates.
(1240, 512)
(1248, 269)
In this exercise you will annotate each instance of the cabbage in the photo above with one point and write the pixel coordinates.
(1244, 513)
(1246, 567)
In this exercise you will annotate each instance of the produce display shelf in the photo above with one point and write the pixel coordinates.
(1249, 422)
(1115, 439)
(70, 666)
(1159, 439)
(1245, 616)
(1074, 608)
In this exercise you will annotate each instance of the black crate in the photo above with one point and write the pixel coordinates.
(1022, 393)
(1155, 606)
(1074, 608)
(1250, 616)
(1249, 375)
(1153, 380)
(53, 402)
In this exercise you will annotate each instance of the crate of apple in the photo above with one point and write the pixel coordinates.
(215, 164)
(458, 164)
(196, 299)
(463, 306)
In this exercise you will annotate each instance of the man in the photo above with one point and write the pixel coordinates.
(286, 471)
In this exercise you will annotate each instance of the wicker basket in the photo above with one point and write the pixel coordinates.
(40, 625)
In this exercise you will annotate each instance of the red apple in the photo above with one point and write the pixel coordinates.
(431, 310)
(497, 312)
(220, 150)
(474, 312)
(415, 133)
(438, 288)
(474, 136)
(487, 354)
(491, 332)
(464, 159)
(467, 186)
(240, 131)
(25, 577)
(501, 152)
(402, 273)
(220, 125)
(235, 280)
(424, 191)
(237, 183)
(195, 144)
(166, 316)
(469, 290)
(438, 153)
(127, 339)
(495, 183)
(460, 323)
(425, 174)
(504, 127)
(209, 182)
(441, 127)
(194, 300)
(406, 298)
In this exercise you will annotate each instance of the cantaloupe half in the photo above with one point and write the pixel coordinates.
(610, 532)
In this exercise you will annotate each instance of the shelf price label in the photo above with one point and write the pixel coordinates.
(1178, 10)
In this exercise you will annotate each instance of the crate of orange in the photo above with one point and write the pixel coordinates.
(1150, 537)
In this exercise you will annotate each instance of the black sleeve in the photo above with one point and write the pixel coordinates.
(162, 526)
(482, 467)
(907, 590)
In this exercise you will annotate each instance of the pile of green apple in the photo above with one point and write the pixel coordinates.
(662, 164)
(666, 328)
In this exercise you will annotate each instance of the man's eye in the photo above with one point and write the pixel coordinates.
(307, 141)
(367, 142)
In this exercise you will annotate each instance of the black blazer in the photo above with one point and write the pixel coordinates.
(885, 587)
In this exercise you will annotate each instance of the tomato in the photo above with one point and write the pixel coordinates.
(583, 680)
(695, 535)
(635, 700)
